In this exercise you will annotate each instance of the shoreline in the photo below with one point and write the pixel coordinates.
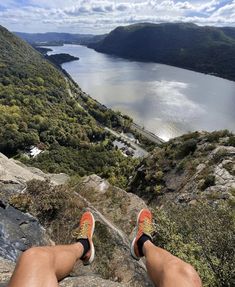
(192, 80)
(134, 126)
(167, 64)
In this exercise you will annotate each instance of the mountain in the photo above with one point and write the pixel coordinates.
(53, 38)
(229, 31)
(203, 49)
(41, 107)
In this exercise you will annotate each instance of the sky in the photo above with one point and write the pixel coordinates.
(101, 16)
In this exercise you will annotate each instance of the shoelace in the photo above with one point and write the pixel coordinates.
(147, 226)
(82, 231)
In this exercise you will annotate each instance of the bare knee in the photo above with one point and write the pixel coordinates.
(191, 273)
(186, 271)
(37, 254)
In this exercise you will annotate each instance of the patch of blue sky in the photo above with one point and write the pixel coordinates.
(196, 14)
(17, 4)
(222, 3)
(205, 13)
(2, 8)
(22, 3)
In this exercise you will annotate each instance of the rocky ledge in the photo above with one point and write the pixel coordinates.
(115, 212)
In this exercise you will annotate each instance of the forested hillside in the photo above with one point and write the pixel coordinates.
(229, 31)
(36, 108)
(203, 49)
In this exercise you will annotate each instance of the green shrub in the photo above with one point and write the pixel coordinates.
(209, 180)
(189, 136)
(159, 176)
(230, 167)
(56, 207)
(102, 242)
(231, 141)
(22, 202)
(158, 189)
(201, 235)
(188, 147)
(232, 191)
(216, 135)
(181, 165)
(219, 155)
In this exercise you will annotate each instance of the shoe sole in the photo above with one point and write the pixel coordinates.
(92, 257)
(133, 241)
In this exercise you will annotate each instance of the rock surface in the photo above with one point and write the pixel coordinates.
(7, 267)
(114, 203)
(116, 210)
(90, 281)
(224, 181)
(14, 175)
(18, 232)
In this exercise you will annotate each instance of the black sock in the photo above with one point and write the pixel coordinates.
(86, 245)
(141, 242)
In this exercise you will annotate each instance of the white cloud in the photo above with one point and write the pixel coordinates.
(101, 16)
(226, 11)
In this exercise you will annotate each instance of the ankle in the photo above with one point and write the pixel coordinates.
(81, 247)
(85, 244)
(148, 244)
(141, 242)
(78, 249)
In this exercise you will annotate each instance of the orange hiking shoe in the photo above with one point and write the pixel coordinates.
(84, 235)
(144, 227)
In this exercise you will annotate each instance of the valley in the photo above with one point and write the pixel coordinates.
(98, 123)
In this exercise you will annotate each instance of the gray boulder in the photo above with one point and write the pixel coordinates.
(18, 232)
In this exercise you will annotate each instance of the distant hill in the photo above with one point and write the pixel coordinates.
(203, 49)
(229, 31)
(53, 38)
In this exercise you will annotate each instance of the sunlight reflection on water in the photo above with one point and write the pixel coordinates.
(165, 100)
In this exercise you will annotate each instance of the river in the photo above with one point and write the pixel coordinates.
(166, 100)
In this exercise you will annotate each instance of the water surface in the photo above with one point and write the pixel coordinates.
(166, 100)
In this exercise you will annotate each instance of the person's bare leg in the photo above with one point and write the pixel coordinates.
(166, 270)
(44, 266)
